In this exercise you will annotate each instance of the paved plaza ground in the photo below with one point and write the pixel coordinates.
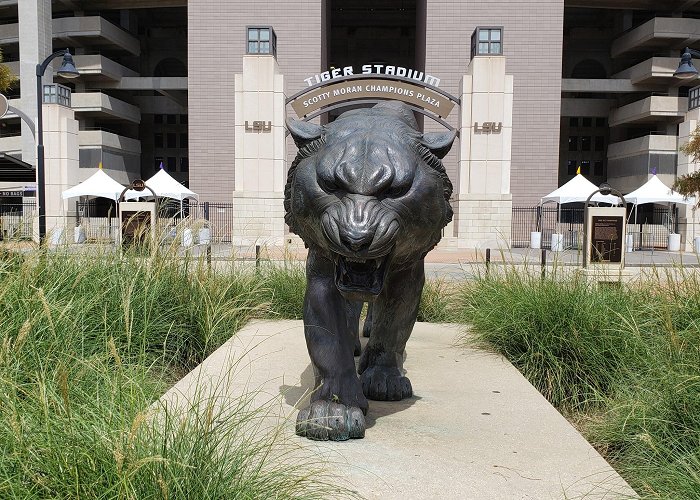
(455, 264)
(474, 429)
(442, 262)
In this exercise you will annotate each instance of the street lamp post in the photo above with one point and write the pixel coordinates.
(67, 70)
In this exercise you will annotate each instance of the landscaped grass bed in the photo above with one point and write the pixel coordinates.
(88, 343)
(622, 363)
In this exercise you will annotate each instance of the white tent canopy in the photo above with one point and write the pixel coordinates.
(655, 191)
(577, 190)
(98, 184)
(164, 186)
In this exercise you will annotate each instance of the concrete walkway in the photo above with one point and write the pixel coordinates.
(475, 428)
(450, 255)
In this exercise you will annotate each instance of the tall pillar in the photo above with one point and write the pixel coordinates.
(260, 157)
(61, 164)
(483, 205)
(689, 219)
(35, 45)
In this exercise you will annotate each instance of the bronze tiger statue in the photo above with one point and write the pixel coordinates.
(369, 195)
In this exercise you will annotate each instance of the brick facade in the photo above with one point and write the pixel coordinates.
(532, 46)
(217, 43)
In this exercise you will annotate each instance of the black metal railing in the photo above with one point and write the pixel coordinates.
(100, 221)
(16, 220)
(220, 217)
(546, 220)
(649, 230)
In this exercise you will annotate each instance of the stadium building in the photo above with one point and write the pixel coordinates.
(592, 84)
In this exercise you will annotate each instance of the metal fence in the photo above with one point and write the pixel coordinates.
(16, 220)
(101, 223)
(220, 217)
(649, 231)
(545, 219)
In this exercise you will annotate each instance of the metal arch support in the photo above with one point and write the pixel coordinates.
(345, 104)
(374, 76)
(25, 117)
(131, 186)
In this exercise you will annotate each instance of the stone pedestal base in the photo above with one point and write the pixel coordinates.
(258, 218)
(607, 274)
(483, 220)
(689, 227)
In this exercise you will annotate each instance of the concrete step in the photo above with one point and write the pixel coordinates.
(475, 428)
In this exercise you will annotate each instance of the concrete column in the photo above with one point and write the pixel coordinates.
(483, 208)
(260, 156)
(689, 219)
(61, 152)
(35, 45)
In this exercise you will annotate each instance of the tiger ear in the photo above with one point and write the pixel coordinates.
(439, 143)
(303, 132)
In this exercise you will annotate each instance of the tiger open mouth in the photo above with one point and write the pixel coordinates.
(360, 278)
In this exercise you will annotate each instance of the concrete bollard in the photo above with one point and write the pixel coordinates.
(557, 242)
(674, 242)
(187, 238)
(79, 234)
(204, 236)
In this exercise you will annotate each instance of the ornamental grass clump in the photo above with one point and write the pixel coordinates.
(437, 302)
(651, 426)
(560, 333)
(88, 345)
(650, 431)
(622, 362)
(283, 288)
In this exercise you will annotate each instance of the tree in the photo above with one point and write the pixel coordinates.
(7, 79)
(689, 184)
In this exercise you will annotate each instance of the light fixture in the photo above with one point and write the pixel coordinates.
(686, 70)
(67, 69)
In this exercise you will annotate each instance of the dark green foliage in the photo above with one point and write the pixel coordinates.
(7, 79)
(689, 185)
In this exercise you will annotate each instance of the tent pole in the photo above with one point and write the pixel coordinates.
(635, 223)
(692, 221)
(559, 218)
